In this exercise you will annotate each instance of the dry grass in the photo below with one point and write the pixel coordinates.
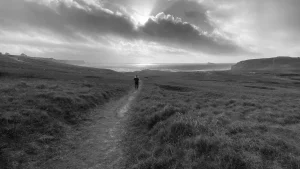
(215, 121)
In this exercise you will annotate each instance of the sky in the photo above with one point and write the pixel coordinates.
(151, 31)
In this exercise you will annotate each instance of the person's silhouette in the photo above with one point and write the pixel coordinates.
(136, 81)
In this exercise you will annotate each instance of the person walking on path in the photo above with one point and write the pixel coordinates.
(136, 82)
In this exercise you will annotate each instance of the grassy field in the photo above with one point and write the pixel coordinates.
(215, 120)
(41, 99)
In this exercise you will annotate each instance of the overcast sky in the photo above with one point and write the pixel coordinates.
(151, 31)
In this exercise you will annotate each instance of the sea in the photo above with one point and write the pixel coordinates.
(170, 67)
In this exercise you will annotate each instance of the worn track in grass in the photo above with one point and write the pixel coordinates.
(97, 142)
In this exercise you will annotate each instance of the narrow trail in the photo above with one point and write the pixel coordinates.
(98, 142)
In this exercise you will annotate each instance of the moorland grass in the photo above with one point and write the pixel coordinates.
(214, 120)
(38, 106)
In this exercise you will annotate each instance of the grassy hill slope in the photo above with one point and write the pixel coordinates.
(40, 99)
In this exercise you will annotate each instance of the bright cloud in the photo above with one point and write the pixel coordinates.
(150, 30)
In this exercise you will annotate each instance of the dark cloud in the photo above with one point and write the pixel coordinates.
(65, 20)
(174, 30)
(166, 26)
(69, 19)
(192, 12)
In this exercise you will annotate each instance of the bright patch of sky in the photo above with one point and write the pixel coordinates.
(150, 31)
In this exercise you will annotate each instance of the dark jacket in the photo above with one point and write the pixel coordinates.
(136, 80)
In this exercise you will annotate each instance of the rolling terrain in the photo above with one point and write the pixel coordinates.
(214, 120)
(55, 115)
(41, 100)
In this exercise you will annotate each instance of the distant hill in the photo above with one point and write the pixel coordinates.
(70, 62)
(268, 64)
(73, 62)
(33, 66)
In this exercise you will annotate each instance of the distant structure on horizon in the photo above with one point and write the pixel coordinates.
(23, 54)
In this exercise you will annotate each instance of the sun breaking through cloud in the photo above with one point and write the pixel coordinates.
(134, 31)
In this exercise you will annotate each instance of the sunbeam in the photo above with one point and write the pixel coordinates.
(142, 10)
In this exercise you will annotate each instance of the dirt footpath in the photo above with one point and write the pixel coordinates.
(98, 142)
